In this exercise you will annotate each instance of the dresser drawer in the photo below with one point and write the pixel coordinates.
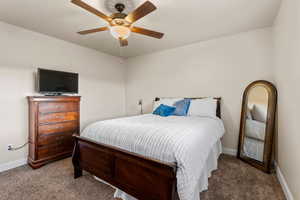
(58, 128)
(50, 107)
(55, 149)
(58, 117)
(54, 138)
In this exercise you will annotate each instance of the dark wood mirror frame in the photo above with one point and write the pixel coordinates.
(270, 126)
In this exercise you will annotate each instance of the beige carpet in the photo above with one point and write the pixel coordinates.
(234, 180)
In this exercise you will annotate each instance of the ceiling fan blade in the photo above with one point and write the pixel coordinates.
(91, 9)
(147, 32)
(123, 42)
(93, 30)
(140, 12)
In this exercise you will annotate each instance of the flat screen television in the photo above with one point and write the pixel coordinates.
(56, 82)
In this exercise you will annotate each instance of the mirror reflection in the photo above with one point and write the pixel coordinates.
(255, 123)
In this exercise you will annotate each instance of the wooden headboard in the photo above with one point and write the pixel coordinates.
(218, 111)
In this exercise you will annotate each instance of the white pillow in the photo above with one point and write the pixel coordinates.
(259, 112)
(165, 101)
(249, 115)
(203, 107)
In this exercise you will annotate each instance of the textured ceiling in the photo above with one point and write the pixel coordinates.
(183, 21)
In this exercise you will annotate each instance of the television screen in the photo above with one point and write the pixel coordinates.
(50, 81)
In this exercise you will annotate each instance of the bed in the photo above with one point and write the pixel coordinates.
(149, 157)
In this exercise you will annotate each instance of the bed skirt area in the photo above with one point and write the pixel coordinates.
(210, 165)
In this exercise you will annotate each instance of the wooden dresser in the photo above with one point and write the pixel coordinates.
(52, 122)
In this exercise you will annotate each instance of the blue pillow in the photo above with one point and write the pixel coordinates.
(182, 107)
(164, 110)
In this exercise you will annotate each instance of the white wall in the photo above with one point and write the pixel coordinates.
(287, 74)
(101, 85)
(221, 67)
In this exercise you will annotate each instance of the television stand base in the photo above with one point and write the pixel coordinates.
(53, 94)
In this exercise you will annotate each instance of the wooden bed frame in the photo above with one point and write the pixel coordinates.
(141, 177)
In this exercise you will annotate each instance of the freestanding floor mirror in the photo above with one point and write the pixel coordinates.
(257, 125)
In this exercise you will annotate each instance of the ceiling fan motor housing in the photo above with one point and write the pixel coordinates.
(118, 16)
(118, 19)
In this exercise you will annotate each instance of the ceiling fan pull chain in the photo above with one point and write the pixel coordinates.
(120, 51)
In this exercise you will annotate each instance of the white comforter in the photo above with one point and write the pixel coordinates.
(186, 141)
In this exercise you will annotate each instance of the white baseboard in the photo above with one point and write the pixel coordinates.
(12, 164)
(229, 151)
(283, 183)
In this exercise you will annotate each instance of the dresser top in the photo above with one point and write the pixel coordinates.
(53, 98)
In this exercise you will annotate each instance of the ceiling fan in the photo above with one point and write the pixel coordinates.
(119, 23)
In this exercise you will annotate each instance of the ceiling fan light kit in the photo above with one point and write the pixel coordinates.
(120, 32)
(121, 24)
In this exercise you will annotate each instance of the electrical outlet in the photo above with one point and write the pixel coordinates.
(9, 147)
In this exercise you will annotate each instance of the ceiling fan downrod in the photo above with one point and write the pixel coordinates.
(120, 7)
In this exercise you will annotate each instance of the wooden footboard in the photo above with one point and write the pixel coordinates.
(143, 178)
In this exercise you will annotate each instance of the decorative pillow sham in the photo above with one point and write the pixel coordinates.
(182, 107)
(165, 101)
(164, 110)
(206, 107)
